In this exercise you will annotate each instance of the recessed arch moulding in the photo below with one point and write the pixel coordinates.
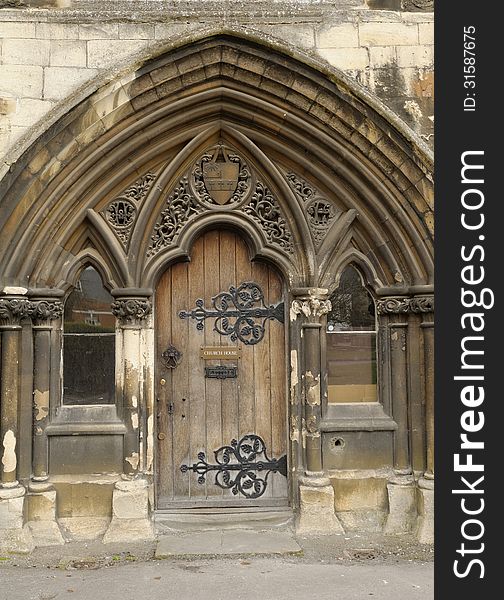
(325, 178)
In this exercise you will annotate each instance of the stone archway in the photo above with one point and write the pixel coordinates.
(115, 183)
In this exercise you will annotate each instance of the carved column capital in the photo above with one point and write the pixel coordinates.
(312, 307)
(393, 306)
(131, 310)
(13, 309)
(422, 304)
(44, 310)
(403, 305)
(310, 302)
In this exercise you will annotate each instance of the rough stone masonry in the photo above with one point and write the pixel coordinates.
(52, 51)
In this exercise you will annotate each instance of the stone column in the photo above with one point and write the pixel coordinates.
(425, 525)
(130, 500)
(46, 310)
(14, 536)
(393, 317)
(316, 494)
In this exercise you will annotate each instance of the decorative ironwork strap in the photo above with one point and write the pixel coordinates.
(239, 313)
(245, 453)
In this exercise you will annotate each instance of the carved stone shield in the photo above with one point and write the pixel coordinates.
(220, 176)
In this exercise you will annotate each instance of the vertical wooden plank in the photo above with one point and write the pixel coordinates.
(229, 387)
(212, 386)
(278, 399)
(163, 335)
(180, 378)
(246, 363)
(262, 379)
(196, 399)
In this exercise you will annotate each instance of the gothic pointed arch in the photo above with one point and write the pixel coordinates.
(336, 174)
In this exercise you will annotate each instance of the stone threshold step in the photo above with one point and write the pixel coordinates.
(219, 519)
(226, 542)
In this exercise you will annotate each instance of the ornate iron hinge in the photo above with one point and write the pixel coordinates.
(239, 313)
(245, 452)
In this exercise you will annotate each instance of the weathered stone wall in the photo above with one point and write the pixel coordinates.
(49, 55)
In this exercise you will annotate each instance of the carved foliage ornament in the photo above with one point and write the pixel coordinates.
(401, 305)
(121, 213)
(209, 186)
(13, 310)
(46, 310)
(130, 310)
(264, 209)
(320, 212)
(179, 207)
(220, 177)
(311, 307)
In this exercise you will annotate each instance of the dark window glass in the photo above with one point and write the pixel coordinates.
(351, 342)
(89, 343)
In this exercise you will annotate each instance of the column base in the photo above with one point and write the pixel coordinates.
(41, 515)
(130, 513)
(425, 523)
(316, 508)
(14, 535)
(402, 505)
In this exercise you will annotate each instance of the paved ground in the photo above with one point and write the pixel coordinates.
(330, 568)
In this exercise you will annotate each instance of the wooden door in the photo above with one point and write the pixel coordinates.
(209, 305)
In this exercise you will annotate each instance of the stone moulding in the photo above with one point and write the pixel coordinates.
(163, 119)
(401, 305)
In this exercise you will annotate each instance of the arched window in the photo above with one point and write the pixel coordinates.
(351, 342)
(89, 343)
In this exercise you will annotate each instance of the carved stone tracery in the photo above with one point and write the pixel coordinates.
(191, 197)
(264, 209)
(321, 213)
(121, 213)
(179, 207)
